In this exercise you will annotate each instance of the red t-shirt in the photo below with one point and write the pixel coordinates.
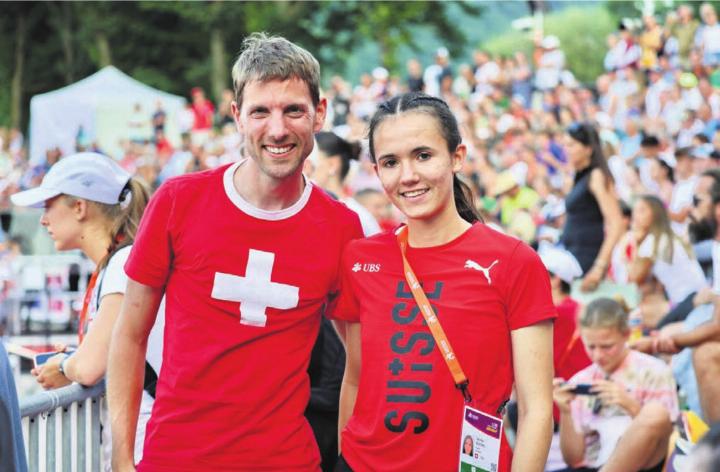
(244, 292)
(568, 360)
(408, 411)
(203, 114)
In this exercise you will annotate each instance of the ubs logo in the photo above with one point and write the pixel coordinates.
(365, 267)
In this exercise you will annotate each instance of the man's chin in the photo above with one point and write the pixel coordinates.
(281, 170)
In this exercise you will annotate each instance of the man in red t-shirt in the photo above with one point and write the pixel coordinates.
(247, 256)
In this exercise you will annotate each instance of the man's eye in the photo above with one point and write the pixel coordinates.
(389, 163)
(423, 156)
(295, 112)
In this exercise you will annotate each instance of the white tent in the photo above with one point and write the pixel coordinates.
(103, 105)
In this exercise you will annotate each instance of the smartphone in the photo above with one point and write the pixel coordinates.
(43, 357)
(583, 389)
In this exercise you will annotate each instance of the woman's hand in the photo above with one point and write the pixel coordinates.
(666, 345)
(562, 394)
(703, 296)
(48, 375)
(592, 279)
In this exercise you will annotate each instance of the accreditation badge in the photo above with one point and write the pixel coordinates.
(480, 441)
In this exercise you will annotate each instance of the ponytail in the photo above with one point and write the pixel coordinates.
(464, 201)
(333, 145)
(124, 217)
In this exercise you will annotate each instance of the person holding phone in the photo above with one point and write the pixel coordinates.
(623, 393)
(401, 408)
(92, 204)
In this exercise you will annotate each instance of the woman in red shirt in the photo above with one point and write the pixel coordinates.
(399, 407)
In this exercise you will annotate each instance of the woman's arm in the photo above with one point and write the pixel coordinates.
(87, 365)
(612, 217)
(532, 353)
(351, 379)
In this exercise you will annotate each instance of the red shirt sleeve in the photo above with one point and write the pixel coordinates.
(151, 255)
(344, 306)
(529, 299)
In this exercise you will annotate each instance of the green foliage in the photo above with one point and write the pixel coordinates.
(582, 33)
(167, 44)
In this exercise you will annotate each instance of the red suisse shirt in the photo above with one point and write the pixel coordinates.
(244, 292)
(482, 285)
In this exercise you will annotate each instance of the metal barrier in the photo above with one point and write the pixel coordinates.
(61, 429)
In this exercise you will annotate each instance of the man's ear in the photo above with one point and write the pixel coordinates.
(320, 113)
(235, 111)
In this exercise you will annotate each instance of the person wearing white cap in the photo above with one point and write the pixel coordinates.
(92, 204)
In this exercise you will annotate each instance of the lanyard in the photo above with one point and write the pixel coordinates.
(86, 303)
(461, 382)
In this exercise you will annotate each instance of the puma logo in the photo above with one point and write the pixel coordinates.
(470, 264)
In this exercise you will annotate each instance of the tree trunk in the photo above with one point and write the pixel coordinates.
(61, 19)
(218, 65)
(103, 47)
(66, 36)
(16, 89)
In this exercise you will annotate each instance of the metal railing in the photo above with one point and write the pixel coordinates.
(61, 429)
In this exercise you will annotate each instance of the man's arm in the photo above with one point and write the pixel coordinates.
(126, 367)
(532, 358)
(709, 331)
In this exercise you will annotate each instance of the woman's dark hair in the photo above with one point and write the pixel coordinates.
(668, 170)
(421, 103)
(333, 145)
(586, 134)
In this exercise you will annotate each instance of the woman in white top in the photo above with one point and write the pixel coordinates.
(92, 204)
(658, 250)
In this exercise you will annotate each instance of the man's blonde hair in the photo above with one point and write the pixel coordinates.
(265, 58)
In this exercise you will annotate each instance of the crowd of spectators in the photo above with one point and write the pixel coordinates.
(655, 111)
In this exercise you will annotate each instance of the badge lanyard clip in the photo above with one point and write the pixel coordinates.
(461, 381)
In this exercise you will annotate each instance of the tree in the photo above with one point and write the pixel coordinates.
(584, 52)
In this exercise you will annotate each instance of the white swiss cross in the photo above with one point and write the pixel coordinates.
(255, 292)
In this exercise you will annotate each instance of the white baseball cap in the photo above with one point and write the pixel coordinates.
(560, 262)
(87, 175)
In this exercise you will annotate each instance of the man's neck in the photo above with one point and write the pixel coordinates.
(265, 192)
